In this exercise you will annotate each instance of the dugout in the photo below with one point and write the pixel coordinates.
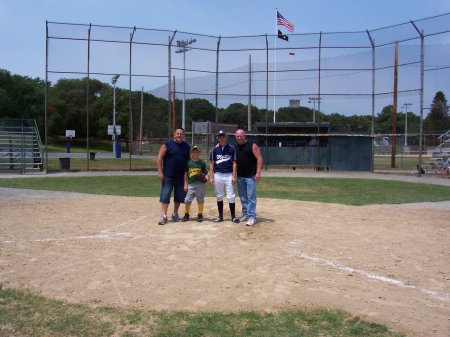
(293, 134)
(311, 145)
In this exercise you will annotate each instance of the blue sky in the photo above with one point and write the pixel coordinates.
(22, 28)
(22, 22)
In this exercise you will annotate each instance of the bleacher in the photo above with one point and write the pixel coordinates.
(434, 164)
(444, 145)
(20, 146)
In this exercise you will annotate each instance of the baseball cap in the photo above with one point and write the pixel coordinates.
(195, 148)
(221, 132)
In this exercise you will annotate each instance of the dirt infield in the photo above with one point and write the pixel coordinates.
(385, 263)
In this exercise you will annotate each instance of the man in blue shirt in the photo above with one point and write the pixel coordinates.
(171, 161)
(222, 165)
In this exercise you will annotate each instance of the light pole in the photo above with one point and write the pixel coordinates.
(114, 81)
(406, 105)
(182, 46)
(314, 100)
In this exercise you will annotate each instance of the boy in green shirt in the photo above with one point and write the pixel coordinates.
(194, 183)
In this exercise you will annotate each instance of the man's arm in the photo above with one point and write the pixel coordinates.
(259, 161)
(186, 186)
(159, 161)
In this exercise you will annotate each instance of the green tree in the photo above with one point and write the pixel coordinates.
(237, 113)
(6, 94)
(383, 121)
(301, 114)
(156, 116)
(437, 121)
(21, 97)
(198, 110)
(68, 101)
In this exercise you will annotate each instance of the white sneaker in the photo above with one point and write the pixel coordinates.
(243, 218)
(251, 222)
(162, 220)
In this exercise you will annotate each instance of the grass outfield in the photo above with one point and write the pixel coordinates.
(25, 314)
(330, 190)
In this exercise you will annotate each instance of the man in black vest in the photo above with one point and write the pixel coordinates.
(249, 164)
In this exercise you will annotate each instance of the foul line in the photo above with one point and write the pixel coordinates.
(443, 296)
(131, 221)
(104, 234)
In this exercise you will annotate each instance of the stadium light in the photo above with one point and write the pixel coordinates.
(406, 121)
(182, 49)
(314, 100)
(114, 81)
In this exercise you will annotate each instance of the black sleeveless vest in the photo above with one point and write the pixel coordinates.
(246, 161)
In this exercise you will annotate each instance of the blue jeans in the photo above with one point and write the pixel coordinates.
(247, 194)
(169, 184)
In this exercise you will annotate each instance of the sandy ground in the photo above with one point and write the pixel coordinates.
(386, 263)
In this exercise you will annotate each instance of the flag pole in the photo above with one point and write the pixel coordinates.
(275, 65)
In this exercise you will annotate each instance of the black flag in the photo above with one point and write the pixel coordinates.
(282, 36)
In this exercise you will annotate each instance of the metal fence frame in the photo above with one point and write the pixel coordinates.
(263, 45)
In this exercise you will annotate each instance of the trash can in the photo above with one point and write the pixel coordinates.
(64, 163)
(92, 155)
(118, 149)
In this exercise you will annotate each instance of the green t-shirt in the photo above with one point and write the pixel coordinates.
(194, 169)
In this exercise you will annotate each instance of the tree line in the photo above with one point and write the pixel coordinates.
(22, 97)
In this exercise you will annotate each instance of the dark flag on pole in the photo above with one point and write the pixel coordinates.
(282, 36)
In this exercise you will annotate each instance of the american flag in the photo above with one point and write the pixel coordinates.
(283, 22)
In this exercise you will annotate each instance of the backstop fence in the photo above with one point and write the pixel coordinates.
(349, 73)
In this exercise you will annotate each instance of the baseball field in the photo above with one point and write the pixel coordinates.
(385, 263)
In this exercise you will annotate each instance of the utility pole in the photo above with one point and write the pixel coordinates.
(406, 105)
(142, 120)
(249, 107)
(182, 46)
(114, 135)
(314, 100)
(394, 109)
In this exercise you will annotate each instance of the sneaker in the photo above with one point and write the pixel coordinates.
(251, 222)
(243, 218)
(200, 217)
(235, 220)
(218, 219)
(162, 220)
(185, 218)
(175, 217)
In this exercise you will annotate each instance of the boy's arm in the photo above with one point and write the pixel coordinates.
(211, 169)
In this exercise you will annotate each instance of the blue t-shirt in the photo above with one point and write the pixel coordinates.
(176, 158)
(223, 158)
